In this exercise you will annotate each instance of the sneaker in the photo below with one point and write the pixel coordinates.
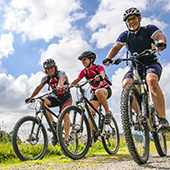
(163, 126)
(108, 118)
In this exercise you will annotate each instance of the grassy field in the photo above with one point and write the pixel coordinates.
(95, 155)
(8, 157)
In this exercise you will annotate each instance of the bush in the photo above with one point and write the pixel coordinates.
(6, 152)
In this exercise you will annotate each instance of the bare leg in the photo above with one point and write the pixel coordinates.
(48, 103)
(66, 126)
(126, 82)
(156, 92)
(96, 105)
(102, 95)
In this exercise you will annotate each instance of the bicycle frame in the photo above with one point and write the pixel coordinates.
(98, 111)
(144, 90)
(42, 110)
(138, 116)
(140, 83)
(87, 103)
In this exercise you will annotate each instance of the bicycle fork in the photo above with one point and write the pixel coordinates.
(145, 98)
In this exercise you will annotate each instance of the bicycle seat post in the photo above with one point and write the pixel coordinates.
(100, 108)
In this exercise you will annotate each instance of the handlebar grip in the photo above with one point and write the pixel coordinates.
(106, 60)
(117, 61)
(161, 45)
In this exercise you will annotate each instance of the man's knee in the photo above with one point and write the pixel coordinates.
(126, 82)
(152, 81)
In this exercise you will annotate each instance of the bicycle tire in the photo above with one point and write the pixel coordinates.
(79, 133)
(160, 143)
(158, 137)
(134, 133)
(111, 137)
(26, 146)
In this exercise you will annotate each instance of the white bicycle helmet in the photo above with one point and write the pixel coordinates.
(131, 11)
(49, 62)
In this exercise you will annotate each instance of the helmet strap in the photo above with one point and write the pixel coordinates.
(91, 62)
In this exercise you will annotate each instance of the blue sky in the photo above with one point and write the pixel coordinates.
(31, 31)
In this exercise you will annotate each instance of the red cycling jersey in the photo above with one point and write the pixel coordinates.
(91, 74)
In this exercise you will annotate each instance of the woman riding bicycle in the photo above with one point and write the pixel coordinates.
(56, 79)
(137, 39)
(101, 90)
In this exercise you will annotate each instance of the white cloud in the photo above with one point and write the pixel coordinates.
(152, 20)
(15, 91)
(42, 19)
(6, 44)
(165, 84)
(66, 53)
(167, 6)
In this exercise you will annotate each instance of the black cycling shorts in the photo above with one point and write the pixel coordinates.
(94, 97)
(61, 100)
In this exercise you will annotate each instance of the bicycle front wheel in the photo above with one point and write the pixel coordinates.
(134, 125)
(73, 132)
(29, 139)
(110, 137)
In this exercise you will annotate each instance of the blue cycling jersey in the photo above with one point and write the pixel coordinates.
(140, 41)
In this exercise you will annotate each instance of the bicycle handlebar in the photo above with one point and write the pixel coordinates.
(135, 56)
(83, 84)
(40, 97)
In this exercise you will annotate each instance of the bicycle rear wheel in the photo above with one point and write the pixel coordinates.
(77, 132)
(29, 139)
(110, 138)
(159, 138)
(134, 125)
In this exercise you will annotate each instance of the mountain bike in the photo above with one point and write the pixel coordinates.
(29, 139)
(80, 136)
(138, 115)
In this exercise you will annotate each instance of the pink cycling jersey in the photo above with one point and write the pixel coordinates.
(91, 73)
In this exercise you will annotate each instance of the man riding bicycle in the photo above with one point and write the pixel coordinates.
(137, 39)
(101, 90)
(56, 79)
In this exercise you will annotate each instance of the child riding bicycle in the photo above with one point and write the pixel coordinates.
(101, 90)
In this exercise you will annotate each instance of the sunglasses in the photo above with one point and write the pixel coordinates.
(132, 19)
(83, 59)
(51, 67)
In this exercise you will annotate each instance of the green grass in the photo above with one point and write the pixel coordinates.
(54, 154)
(7, 155)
